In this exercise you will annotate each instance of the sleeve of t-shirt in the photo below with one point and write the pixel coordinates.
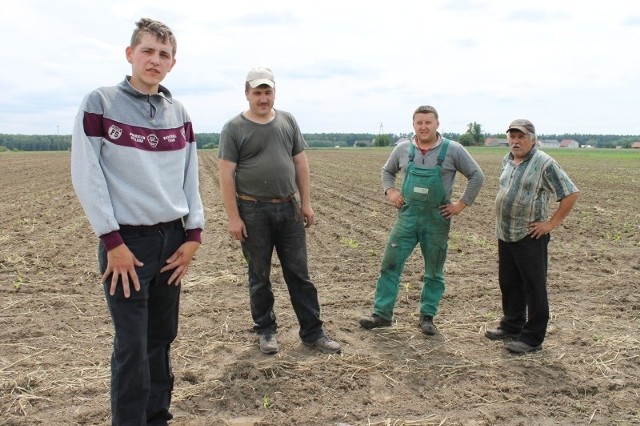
(227, 148)
(299, 143)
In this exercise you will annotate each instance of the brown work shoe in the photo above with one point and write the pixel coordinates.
(374, 321)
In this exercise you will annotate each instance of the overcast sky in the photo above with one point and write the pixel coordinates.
(570, 66)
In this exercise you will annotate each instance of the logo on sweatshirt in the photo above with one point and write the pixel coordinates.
(114, 132)
(170, 138)
(153, 140)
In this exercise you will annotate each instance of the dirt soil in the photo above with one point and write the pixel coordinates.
(56, 334)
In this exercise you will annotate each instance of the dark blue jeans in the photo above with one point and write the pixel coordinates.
(277, 225)
(523, 283)
(145, 325)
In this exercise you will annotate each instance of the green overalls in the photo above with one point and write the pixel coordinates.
(419, 221)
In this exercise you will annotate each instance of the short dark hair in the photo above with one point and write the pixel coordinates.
(162, 32)
(425, 109)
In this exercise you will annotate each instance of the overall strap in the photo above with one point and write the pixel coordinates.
(412, 152)
(443, 151)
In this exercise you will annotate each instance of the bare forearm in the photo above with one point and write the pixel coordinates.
(228, 189)
(302, 179)
(230, 203)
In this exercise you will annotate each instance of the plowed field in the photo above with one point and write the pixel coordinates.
(55, 331)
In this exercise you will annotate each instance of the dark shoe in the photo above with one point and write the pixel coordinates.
(268, 344)
(500, 334)
(374, 321)
(426, 325)
(521, 348)
(325, 345)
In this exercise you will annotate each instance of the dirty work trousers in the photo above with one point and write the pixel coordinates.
(419, 222)
(278, 225)
(413, 227)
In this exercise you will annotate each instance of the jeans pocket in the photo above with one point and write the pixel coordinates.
(297, 210)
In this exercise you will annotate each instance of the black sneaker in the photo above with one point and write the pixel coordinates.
(521, 348)
(426, 325)
(374, 321)
(500, 334)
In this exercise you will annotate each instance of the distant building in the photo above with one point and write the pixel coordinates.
(569, 143)
(363, 142)
(549, 143)
(636, 145)
(496, 142)
(400, 140)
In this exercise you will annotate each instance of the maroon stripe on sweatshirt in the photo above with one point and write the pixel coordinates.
(97, 125)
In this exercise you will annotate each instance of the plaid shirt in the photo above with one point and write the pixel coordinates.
(524, 193)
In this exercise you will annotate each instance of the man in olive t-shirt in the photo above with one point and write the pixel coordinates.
(262, 167)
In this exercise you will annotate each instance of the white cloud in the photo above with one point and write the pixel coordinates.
(341, 66)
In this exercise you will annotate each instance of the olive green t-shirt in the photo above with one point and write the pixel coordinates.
(263, 154)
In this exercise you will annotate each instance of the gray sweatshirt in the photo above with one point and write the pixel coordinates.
(458, 159)
(134, 162)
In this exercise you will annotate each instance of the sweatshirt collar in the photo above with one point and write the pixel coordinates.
(163, 92)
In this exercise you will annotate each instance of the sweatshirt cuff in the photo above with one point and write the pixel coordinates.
(194, 235)
(111, 240)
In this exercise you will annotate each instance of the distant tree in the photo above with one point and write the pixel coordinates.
(451, 136)
(382, 140)
(204, 140)
(477, 136)
(466, 139)
(473, 136)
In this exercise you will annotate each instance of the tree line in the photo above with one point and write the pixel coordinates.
(474, 136)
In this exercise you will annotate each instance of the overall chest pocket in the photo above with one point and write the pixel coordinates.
(423, 186)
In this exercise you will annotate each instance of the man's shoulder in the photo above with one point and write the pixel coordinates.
(542, 157)
(401, 149)
(235, 120)
(99, 99)
(285, 116)
(453, 144)
(103, 91)
(405, 144)
(455, 149)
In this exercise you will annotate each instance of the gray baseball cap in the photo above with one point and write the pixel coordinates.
(525, 126)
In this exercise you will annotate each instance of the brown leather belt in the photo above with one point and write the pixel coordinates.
(265, 200)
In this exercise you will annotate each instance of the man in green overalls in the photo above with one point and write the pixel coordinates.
(430, 163)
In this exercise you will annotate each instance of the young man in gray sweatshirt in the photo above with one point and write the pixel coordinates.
(134, 168)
